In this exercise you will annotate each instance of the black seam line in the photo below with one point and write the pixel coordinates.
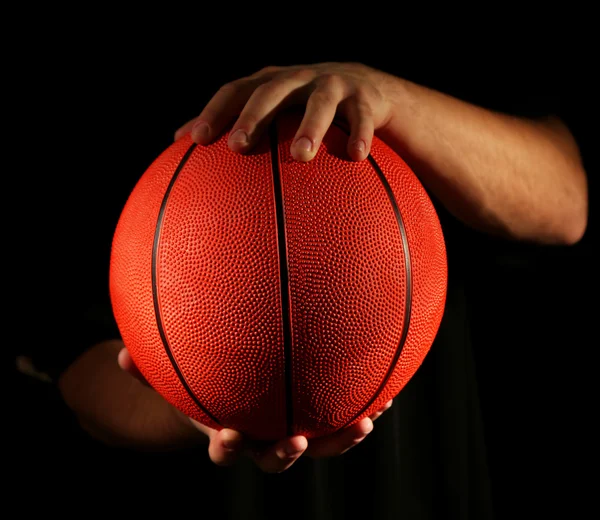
(283, 276)
(159, 323)
(407, 267)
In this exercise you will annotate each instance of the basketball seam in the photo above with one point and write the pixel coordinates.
(284, 280)
(155, 297)
(408, 271)
(283, 276)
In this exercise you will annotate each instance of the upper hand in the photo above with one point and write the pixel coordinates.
(227, 445)
(361, 94)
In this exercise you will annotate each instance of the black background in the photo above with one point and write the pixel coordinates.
(95, 108)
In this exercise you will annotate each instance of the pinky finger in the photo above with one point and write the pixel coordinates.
(380, 412)
(225, 104)
(341, 441)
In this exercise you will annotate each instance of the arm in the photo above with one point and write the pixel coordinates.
(118, 409)
(517, 177)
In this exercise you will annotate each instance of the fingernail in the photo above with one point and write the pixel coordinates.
(200, 131)
(239, 136)
(304, 143)
(367, 428)
(292, 450)
(389, 404)
(289, 451)
(360, 145)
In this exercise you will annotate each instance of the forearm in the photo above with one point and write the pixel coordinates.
(497, 173)
(117, 409)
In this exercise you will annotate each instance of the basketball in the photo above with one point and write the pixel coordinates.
(273, 296)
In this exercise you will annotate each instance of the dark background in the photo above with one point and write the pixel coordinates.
(92, 115)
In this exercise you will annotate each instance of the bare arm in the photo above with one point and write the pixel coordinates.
(118, 409)
(507, 175)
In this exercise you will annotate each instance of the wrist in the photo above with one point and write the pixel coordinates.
(402, 127)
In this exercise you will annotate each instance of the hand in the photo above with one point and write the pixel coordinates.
(226, 445)
(361, 94)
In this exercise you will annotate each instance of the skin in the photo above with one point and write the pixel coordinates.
(515, 177)
(115, 405)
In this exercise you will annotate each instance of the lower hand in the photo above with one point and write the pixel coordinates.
(227, 445)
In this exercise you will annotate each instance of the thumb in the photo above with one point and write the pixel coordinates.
(126, 363)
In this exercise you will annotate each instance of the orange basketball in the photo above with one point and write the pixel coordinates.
(276, 297)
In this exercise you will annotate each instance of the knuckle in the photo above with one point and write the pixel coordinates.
(302, 75)
(232, 87)
(364, 109)
(331, 81)
(269, 69)
(362, 100)
(323, 96)
(265, 89)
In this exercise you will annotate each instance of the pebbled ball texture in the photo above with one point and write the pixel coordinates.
(276, 297)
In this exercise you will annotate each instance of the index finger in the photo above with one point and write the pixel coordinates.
(228, 102)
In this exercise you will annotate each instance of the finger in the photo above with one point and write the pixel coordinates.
(380, 412)
(340, 442)
(225, 446)
(282, 455)
(320, 111)
(126, 363)
(360, 117)
(227, 102)
(262, 105)
(184, 129)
